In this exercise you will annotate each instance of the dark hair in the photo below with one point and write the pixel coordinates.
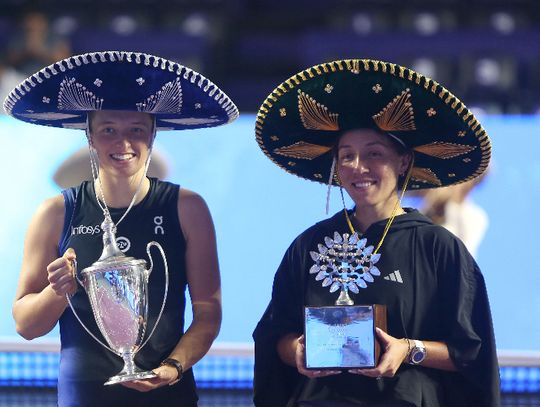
(90, 116)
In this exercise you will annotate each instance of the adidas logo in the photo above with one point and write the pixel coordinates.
(394, 276)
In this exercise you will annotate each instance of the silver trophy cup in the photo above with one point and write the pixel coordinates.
(117, 288)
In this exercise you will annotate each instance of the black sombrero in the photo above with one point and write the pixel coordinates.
(61, 94)
(300, 121)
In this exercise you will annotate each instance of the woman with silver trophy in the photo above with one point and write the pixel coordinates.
(374, 129)
(121, 320)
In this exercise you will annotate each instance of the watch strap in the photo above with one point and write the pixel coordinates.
(177, 365)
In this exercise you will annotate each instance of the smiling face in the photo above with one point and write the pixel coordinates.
(369, 165)
(122, 140)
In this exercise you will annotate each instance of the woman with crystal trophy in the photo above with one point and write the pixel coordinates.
(86, 250)
(375, 129)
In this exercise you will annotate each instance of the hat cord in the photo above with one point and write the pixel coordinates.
(330, 180)
(394, 211)
(94, 160)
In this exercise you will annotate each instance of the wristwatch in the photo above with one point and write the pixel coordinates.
(418, 353)
(177, 365)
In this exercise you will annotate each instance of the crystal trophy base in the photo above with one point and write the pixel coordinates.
(130, 372)
(123, 377)
(343, 337)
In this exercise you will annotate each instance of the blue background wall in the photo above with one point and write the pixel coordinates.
(258, 209)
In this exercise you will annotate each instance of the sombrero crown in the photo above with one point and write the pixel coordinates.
(300, 121)
(62, 94)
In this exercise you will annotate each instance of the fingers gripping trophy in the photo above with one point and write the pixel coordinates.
(66, 95)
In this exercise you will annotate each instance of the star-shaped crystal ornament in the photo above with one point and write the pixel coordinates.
(345, 263)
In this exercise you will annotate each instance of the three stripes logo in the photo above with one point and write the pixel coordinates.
(394, 276)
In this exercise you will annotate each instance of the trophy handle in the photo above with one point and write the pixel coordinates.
(149, 271)
(75, 275)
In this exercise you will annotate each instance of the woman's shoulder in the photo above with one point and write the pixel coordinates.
(192, 207)
(190, 199)
(48, 219)
(52, 208)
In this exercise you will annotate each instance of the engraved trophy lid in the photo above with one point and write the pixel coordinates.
(112, 257)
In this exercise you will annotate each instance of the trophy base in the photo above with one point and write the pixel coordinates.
(123, 377)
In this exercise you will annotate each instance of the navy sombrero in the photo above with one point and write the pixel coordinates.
(300, 121)
(61, 94)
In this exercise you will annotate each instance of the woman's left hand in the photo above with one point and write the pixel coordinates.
(165, 375)
(395, 351)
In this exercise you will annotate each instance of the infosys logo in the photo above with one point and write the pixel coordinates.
(85, 230)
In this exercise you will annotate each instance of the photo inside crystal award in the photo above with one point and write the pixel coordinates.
(343, 337)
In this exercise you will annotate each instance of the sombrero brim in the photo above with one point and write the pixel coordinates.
(62, 94)
(301, 120)
(76, 168)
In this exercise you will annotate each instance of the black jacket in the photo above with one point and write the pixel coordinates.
(437, 293)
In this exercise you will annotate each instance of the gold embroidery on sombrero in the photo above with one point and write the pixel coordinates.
(166, 100)
(303, 150)
(355, 66)
(315, 116)
(398, 115)
(74, 96)
(425, 175)
(444, 150)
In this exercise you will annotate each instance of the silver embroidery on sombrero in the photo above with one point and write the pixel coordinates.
(74, 96)
(345, 263)
(166, 100)
(444, 150)
(47, 116)
(398, 115)
(74, 62)
(77, 126)
(303, 150)
(315, 116)
(191, 120)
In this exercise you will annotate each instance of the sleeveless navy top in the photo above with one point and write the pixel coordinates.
(155, 218)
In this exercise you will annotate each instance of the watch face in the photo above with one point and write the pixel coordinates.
(417, 356)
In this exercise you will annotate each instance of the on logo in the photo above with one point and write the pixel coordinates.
(123, 243)
(158, 229)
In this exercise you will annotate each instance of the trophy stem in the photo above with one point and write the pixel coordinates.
(344, 298)
(130, 371)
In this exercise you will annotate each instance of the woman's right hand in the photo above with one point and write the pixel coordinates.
(61, 274)
(300, 358)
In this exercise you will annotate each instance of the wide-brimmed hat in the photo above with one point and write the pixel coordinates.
(300, 121)
(61, 94)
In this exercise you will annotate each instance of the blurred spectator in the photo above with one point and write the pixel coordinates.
(452, 208)
(9, 78)
(36, 45)
(76, 168)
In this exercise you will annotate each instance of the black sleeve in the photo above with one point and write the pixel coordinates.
(467, 316)
(274, 381)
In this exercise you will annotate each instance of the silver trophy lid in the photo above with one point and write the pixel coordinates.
(112, 257)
